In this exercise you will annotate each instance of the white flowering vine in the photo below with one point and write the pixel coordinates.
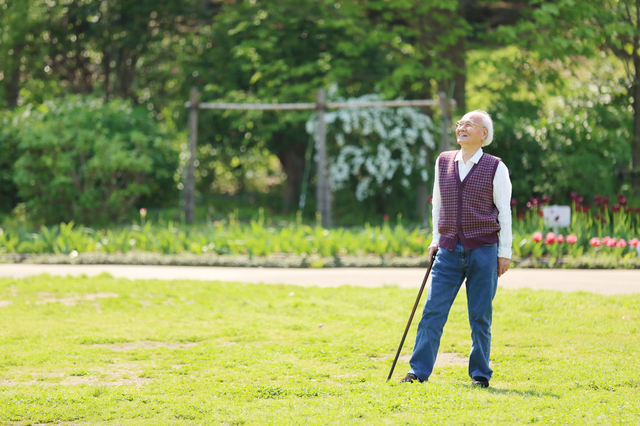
(375, 148)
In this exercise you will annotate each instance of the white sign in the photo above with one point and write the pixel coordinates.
(557, 216)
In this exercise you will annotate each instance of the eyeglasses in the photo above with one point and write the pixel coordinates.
(467, 123)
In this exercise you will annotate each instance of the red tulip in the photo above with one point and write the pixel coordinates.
(514, 202)
(634, 242)
(612, 242)
(537, 237)
(385, 217)
(550, 238)
(615, 207)
(545, 199)
(560, 239)
(594, 242)
(621, 243)
(572, 239)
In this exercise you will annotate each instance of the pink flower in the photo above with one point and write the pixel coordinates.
(612, 242)
(560, 239)
(537, 237)
(595, 242)
(634, 242)
(419, 239)
(550, 238)
(143, 212)
(606, 240)
(621, 243)
(572, 239)
(385, 217)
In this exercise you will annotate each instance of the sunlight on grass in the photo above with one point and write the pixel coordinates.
(105, 350)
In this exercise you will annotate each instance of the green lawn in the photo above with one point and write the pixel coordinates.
(113, 351)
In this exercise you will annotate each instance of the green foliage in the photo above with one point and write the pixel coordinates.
(225, 237)
(100, 349)
(556, 146)
(512, 58)
(90, 161)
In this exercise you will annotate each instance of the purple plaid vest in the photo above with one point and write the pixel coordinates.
(467, 212)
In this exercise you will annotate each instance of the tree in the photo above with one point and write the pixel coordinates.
(20, 53)
(283, 51)
(560, 33)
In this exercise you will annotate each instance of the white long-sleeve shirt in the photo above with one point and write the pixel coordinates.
(501, 198)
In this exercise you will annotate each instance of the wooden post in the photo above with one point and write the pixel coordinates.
(190, 181)
(445, 113)
(323, 190)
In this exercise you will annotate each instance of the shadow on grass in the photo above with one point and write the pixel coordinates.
(517, 392)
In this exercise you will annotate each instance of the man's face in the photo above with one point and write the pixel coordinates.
(470, 130)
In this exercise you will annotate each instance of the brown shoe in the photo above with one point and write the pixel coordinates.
(410, 378)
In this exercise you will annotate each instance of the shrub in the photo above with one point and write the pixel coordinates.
(87, 160)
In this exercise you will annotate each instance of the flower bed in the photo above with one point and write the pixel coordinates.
(587, 242)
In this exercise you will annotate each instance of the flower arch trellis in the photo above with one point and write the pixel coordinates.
(323, 188)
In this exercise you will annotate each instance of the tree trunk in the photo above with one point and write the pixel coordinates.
(293, 162)
(635, 143)
(13, 79)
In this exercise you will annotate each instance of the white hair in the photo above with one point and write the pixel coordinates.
(487, 122)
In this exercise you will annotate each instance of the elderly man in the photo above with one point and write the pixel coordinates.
(471, 240)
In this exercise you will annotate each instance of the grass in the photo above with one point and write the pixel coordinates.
(112, 351)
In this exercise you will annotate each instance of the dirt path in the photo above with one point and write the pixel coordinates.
(596, 281)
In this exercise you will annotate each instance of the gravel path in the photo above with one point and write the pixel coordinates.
(597, 281)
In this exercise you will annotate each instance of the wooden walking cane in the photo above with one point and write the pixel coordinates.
(415, 306)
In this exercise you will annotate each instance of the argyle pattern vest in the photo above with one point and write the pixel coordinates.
(467, 212)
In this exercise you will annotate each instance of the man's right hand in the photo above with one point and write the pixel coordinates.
(432, 251)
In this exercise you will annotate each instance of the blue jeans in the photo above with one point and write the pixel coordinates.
(480, 268)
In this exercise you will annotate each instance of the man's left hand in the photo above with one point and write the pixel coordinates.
(503, 265)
